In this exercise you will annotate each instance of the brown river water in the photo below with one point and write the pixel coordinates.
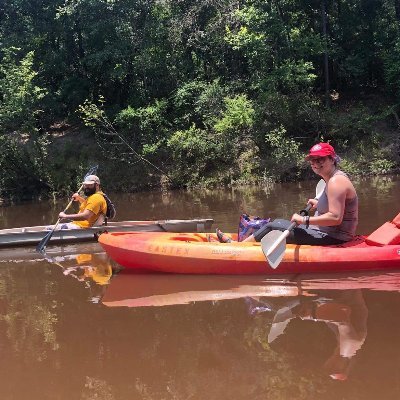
(70, 329)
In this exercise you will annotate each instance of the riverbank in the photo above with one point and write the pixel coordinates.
(52, 162)
(366, 138)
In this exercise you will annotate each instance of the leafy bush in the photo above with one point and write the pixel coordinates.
(349, 125)
(144, 126)
(24, 171)
(197, 154)
(184, 104)
(381, 166)
(284, 157)
(289, 77)
(19, 95)
(238, 115)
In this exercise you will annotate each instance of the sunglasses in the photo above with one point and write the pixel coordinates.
(317, 160)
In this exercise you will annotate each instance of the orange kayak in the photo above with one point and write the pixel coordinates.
(193, 253)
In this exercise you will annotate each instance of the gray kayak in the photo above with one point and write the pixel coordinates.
(32, 235)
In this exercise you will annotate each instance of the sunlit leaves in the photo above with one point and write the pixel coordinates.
(238, 114)
(19, 95)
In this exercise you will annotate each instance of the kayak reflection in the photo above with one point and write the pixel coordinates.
(147, 290)
(284, 305)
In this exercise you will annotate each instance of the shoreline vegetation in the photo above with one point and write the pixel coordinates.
(172, 94)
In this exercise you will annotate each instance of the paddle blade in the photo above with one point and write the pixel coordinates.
(319, 190)
(40, 248)
(281, 320)
(92, 171)
(43, 243)
(273, 246)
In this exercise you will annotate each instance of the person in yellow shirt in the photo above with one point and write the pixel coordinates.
(92, 209)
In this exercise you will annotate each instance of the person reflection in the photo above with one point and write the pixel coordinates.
(92, 268)
(345, 313)
(95, 267)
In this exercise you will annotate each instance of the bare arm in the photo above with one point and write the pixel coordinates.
(85, 215)
(77, 197)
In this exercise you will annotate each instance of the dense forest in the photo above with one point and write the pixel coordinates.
(182, 93)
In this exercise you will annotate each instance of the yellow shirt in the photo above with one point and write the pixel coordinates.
(97, 205)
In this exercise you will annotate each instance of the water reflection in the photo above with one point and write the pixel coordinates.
(344, 313)
(95, 267)
(334, 304)
(94, 270)
(155, 290)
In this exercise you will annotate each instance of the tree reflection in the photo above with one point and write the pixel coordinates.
(29, 322)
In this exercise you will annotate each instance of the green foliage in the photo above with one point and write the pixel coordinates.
(247, 35)
(243, 38)
(301, 114)
(24, 171)
(210, 102)
(92, 113)
(284, 155)
(124, 146)
(369, 156)
(196, 153)
(145, 125)
(248, 164)
(391, 60)
(184, 101)
(381, 166)
(289, 77)
(243, 77)
(350, 166)
(19, 95)
(238, 115)
(351, 125)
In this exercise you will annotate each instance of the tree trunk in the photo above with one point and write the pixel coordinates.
(397, 9)
(326, 60)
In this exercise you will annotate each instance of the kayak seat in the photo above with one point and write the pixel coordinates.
(388, 233)
(182, 237)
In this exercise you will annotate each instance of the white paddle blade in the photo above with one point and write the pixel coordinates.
(273, 245)
(275, 257)
(319, 190)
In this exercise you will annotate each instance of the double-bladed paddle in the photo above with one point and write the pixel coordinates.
(43, 243)
(273, 244)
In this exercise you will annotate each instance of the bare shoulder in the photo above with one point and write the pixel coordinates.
(341, 182)
(339, 179)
